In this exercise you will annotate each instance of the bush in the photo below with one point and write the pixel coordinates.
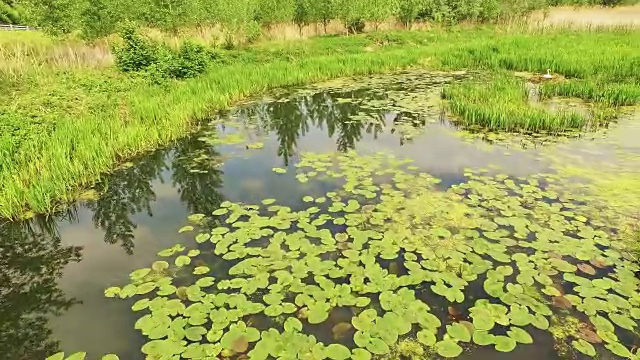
(190, 61)
(138, 53)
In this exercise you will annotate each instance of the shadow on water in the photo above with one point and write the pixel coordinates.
(32, 259)
(142, 205)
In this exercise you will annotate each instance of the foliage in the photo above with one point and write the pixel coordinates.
(269, 12)
(478, 232)
(10, 13)
(503, 104)
(138, 53)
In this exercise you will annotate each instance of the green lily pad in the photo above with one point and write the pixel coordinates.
(619, 349)
(623, 321)
(520, 335)
(448, 348)
(504, 343)
(338, 352)
(426, 338)
(182, 260)
(360, 354)
(584, 347)
(483, 338)
(459, 332)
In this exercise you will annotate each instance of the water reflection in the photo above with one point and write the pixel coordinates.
(197, 176)
(125, 193)
(32, 259)
(133, 199)
(290, 120)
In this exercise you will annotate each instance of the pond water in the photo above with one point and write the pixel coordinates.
(56, 269)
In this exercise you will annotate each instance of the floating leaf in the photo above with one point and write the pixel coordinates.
(110, 357)
(448, 348)
(426, 337)
(623, 321)
(483, 338)
(587, 269)
(185, 229)
(338, 352)
(459, 332)
(619, 349)
(292, 324)
(182, 260)
(57, 356)
(360, 354)
(160, 266)
(378, 347)
(584, 347)
(504, 343)
(200, 270)
(520, 335)
(111, 292)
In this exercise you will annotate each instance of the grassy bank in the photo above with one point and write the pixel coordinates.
(63, 126)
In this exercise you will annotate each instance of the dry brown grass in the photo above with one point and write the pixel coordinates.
(588, 16)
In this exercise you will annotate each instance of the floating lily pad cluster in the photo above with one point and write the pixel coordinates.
(399, 254)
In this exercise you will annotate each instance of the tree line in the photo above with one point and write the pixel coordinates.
(96, 18)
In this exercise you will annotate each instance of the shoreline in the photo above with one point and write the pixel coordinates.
(103, 119)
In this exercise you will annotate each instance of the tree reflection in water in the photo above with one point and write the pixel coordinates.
(32, 259)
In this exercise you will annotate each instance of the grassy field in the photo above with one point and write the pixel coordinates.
(70, 116)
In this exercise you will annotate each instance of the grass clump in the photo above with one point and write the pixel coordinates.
(503, 104)
(609, 94)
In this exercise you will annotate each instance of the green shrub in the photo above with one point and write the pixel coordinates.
(141, 54)
(137, 52)
(190, 61)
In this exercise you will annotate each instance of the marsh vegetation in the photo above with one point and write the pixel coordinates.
(465, 204)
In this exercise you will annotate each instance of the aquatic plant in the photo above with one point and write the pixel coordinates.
(503, 103)
(395, 251)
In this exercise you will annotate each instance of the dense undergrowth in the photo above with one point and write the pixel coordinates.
(61, 129)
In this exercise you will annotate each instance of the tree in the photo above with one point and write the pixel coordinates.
(99, 18)
(353, 13)
(408, 11)
(269, 12)
(9, 13)
(302, 15)
(54, 16)
(323, 11)
(32, 259)
(381, 10)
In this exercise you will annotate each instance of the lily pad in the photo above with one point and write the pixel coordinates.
(584, 347)
(448, 348)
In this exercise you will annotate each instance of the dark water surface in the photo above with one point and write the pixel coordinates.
(56, 269)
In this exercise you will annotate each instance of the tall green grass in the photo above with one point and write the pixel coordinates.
(59, 131)
(503, 104)
(611, 94)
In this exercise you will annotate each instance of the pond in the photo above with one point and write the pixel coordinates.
(340, 220)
